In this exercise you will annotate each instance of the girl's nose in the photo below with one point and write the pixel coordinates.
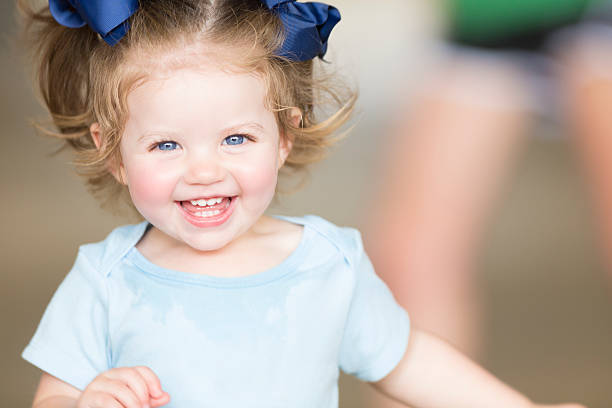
(204, 168)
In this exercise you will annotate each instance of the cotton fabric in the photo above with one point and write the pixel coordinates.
(273, 339)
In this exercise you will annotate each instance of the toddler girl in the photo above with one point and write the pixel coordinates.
(193, 107)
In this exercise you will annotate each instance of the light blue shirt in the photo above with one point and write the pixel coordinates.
(274, 339)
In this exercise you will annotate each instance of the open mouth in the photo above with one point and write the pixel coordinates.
(207, 211)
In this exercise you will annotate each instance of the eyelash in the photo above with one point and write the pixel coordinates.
(243, 136)
(157, 145)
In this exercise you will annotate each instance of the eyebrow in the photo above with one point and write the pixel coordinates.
(247, 125)
(172, 135)
(157, 133)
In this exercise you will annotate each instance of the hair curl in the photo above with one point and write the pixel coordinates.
(82, 80)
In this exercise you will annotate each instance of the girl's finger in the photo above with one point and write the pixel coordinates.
(158, 402)
(125, 395)
(134, 380)
(153, 384)
(99, 399)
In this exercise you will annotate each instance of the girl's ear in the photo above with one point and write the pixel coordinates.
(284, 150)
(116, 169)
(295, 115)
(286, 144)
(94, 129)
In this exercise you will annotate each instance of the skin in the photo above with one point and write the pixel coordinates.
(432, 374)
(193, 135)
(176, 148)
(445, 158)
(115, 388)
(203, 134)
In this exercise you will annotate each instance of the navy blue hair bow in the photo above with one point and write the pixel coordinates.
(106, 17)
(307, 27)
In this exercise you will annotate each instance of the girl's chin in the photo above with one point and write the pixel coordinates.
(188, 240)
(207, 245)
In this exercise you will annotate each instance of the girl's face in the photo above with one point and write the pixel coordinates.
(200, 154)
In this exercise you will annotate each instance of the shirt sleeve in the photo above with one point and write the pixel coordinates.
(377, 329)
(72, 337)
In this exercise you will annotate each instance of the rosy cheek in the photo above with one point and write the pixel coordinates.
(148, 185)
(257, 182)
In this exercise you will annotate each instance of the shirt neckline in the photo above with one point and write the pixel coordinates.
(284, 268)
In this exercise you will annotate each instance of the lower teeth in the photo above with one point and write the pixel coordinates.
(212, 213)
(208, 213)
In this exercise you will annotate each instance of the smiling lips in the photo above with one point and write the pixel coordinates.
(207, 212)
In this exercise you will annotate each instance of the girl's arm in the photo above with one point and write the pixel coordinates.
(434, 375)
(125, 387)
(55, 393)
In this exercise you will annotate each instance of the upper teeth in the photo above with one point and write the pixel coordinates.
(211, 201)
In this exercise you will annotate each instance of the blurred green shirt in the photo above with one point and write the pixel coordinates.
(487, 21)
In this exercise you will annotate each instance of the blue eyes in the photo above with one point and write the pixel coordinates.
(167, 146)
(234, 140)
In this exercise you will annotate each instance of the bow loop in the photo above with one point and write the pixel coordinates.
(307, 27)
(106, 17)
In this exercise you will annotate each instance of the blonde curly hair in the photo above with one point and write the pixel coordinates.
(82, 80)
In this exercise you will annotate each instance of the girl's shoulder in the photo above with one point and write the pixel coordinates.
(346, 240)
(103, 255)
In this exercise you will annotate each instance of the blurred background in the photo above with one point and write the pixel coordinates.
(530, 250)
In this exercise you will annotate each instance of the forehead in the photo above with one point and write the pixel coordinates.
(163, 60)
(191, 96)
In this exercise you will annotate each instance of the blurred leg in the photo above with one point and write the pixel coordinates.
(446, 161)
(586, 78)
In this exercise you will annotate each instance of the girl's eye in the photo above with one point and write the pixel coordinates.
(167, 145)
(234, 140)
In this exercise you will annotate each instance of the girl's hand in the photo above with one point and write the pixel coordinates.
(558, 406)
(126, 387)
